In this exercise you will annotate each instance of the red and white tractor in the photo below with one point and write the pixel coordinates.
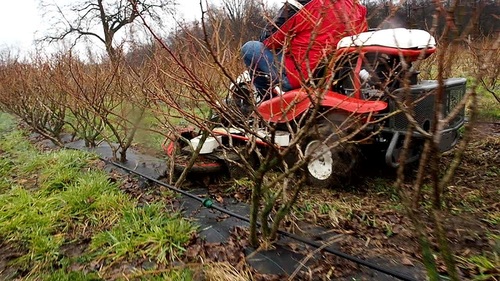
(372, 92)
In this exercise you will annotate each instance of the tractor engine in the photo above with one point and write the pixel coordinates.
(375, 62)
(378, 65)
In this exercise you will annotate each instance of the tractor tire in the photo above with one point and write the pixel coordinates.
(200, 167)
(332, 160)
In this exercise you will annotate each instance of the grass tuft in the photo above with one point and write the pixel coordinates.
(224, 271)
(62, 275)
(149, 230)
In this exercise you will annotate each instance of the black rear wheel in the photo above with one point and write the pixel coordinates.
(202, 165)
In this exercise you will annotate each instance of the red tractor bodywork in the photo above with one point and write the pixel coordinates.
(293, 103)
(375, 96)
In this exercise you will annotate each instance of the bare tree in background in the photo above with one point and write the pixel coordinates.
(99, 19)
(28, 93)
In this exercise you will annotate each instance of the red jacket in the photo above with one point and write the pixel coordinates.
(310, 30)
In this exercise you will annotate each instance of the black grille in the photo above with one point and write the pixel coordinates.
(423, 96)
(454, 96)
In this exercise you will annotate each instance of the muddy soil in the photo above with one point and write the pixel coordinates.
(369, 219)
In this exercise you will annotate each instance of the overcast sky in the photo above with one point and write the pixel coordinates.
(21, 19)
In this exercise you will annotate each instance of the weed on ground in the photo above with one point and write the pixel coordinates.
(63, 218)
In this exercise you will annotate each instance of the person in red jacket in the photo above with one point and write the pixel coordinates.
(302, 34)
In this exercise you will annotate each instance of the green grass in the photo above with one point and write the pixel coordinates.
(493, 218)
(62, 275)
(150, 230)
(485, 267)
(52, 201)
(489, 107)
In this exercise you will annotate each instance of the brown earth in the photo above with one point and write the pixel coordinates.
(368, 218)
(371, 222)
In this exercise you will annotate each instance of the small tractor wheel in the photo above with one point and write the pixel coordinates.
(201, 166)
(180, 156)
(331, 160)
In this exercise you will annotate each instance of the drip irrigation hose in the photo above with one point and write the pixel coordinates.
(208, 203)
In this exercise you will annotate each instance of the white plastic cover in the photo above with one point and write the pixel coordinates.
(400, 38)
(209, 145)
